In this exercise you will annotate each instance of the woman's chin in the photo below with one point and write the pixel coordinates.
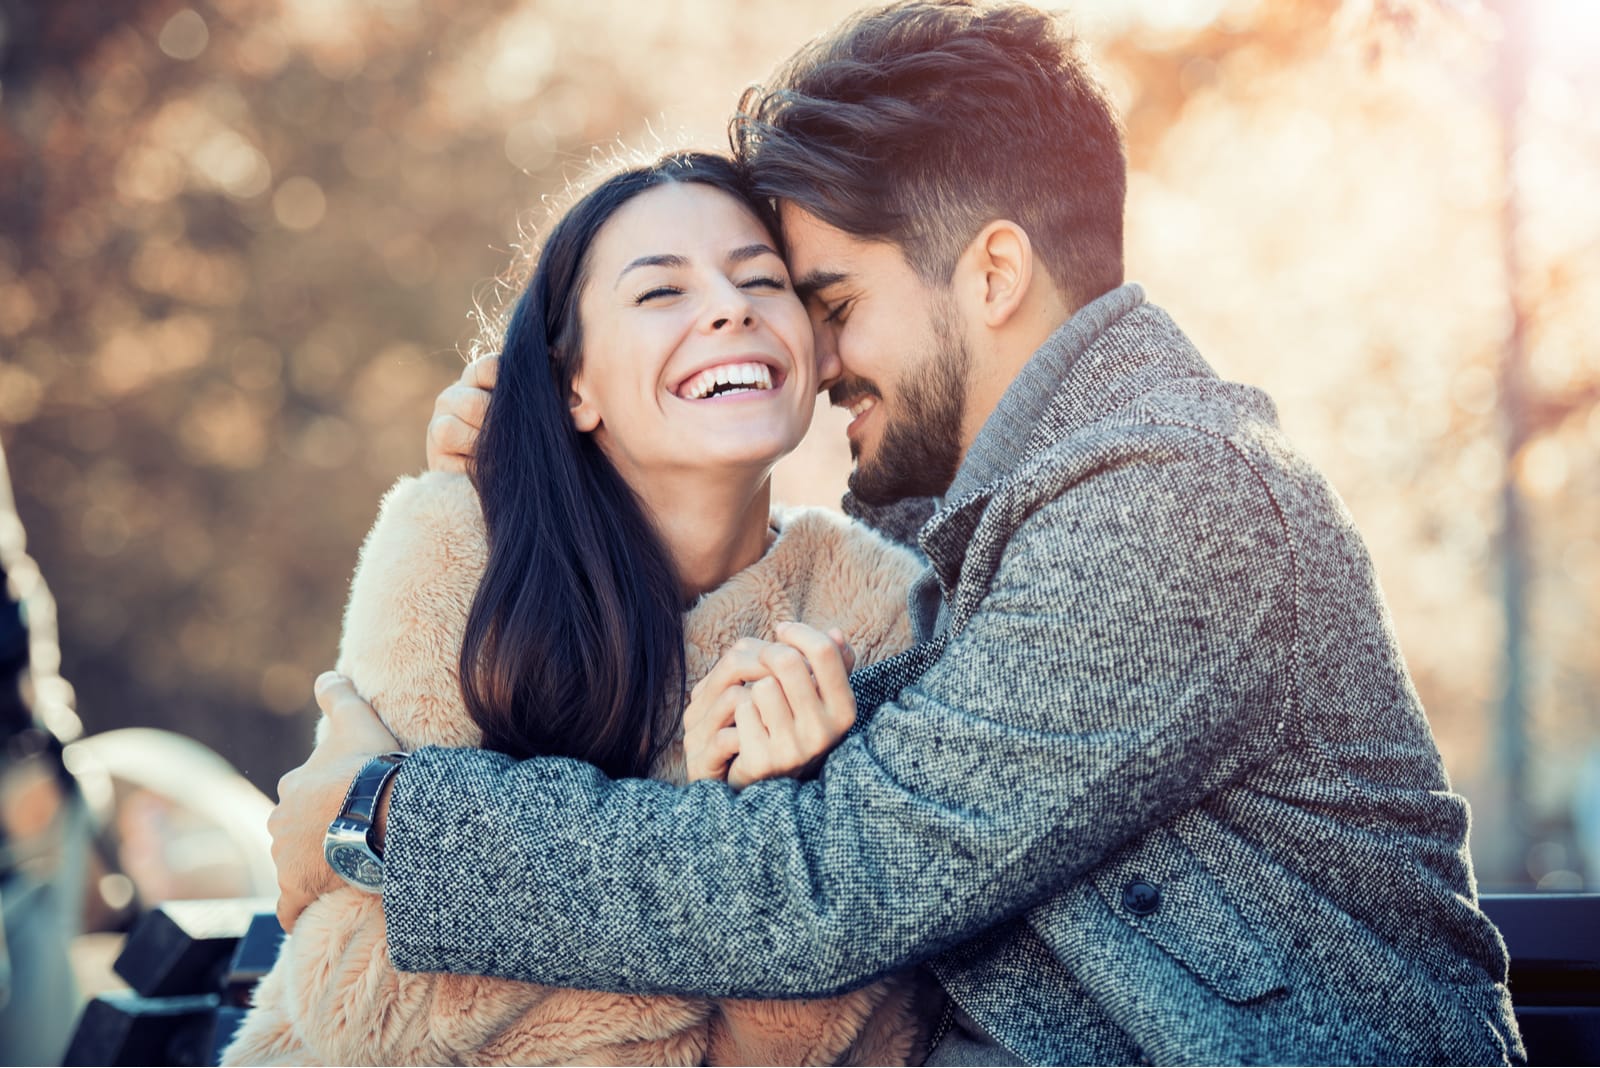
(751, 452)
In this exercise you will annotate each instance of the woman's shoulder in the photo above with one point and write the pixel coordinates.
(847, 575)
(823, 534)
(430, 519)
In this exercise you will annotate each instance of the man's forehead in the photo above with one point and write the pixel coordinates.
(819, 253)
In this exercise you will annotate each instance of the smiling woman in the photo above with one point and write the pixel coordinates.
(673, 275)
(654, 370)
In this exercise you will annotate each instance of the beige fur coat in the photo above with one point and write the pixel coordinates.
(334, 998)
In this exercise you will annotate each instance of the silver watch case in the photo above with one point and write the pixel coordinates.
(351, 857)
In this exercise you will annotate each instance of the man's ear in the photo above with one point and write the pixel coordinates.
(998, 270)
(585, 416)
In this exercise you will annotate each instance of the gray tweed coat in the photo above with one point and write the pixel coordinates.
(1158, 785)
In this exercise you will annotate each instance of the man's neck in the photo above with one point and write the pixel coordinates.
(1009, 421)
(999, 355)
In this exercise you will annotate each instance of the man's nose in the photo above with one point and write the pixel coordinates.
(829, 366)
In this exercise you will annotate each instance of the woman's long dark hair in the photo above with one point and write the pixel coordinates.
(574, 643)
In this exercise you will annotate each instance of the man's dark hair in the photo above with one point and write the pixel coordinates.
(922, 121)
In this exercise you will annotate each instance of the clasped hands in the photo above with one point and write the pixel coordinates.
(770, 709)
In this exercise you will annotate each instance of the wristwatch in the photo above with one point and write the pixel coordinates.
(348, 844)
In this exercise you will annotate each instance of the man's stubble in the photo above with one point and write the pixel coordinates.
(920, 448)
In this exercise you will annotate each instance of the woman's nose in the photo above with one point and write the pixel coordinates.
(729, 307)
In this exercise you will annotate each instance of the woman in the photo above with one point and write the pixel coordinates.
(656, 367)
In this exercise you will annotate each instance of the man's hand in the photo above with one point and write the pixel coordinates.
(770, 709)
(309, 796)
(458, 416)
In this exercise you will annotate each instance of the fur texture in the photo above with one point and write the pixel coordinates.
(334, 998)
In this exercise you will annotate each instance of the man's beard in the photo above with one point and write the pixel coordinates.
(919, 449)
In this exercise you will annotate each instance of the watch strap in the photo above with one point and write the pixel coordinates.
(361, 800)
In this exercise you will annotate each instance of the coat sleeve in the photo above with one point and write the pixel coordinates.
(1132, 652)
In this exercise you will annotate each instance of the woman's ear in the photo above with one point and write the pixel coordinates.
(585, 416)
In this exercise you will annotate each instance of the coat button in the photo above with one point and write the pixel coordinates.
(1141, 898)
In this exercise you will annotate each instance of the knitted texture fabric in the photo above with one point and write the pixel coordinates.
(334, 997)
(1165, 792)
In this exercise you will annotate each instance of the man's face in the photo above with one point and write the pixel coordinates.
(889, 349)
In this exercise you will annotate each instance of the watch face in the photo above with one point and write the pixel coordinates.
(355, 865)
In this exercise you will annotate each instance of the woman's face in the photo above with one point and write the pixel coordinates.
(696, 352)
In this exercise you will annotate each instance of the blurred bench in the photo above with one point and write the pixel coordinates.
(1554, 942)
(193, 964)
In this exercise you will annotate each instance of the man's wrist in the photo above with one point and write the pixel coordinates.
(353, 845)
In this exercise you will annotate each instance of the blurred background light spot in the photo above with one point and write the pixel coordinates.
(1542, 467)
(368, 153)
(20, 394)
(410, 260)
(230, 163)
(119, 91)
(262, 50)
(185, 35)
(204, 643)
(17, 309)
(286, 688)
(299, 203)
(93, 431)
(224, 428)
(148, 173)
(1479, 464)
(116, 890)
(256, 364)
(103, 531)
(530, 145)
(1474, 391)
(566, 110)
(186, 548)
(1181, 16)
(522, 59)
(326, 442)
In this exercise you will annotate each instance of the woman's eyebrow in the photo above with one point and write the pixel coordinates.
(659, 260)
(750, 252)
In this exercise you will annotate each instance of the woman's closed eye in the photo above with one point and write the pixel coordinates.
(657, 292)
(776, 284)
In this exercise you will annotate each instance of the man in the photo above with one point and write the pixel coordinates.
(1155, 785)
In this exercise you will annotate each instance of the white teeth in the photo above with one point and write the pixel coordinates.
(755, 375)
(860, 406)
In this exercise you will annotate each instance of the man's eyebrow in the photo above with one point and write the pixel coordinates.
(816, 282)
(661, 260)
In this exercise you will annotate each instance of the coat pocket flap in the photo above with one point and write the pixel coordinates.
(1164, 891)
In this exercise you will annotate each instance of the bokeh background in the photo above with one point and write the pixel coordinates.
(242, 243)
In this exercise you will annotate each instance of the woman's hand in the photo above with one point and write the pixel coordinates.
(770, 709)
(458, 416)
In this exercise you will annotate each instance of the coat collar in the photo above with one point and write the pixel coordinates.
(1028, 413)
(1020, 415)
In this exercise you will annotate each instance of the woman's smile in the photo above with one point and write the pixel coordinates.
(736, 378)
